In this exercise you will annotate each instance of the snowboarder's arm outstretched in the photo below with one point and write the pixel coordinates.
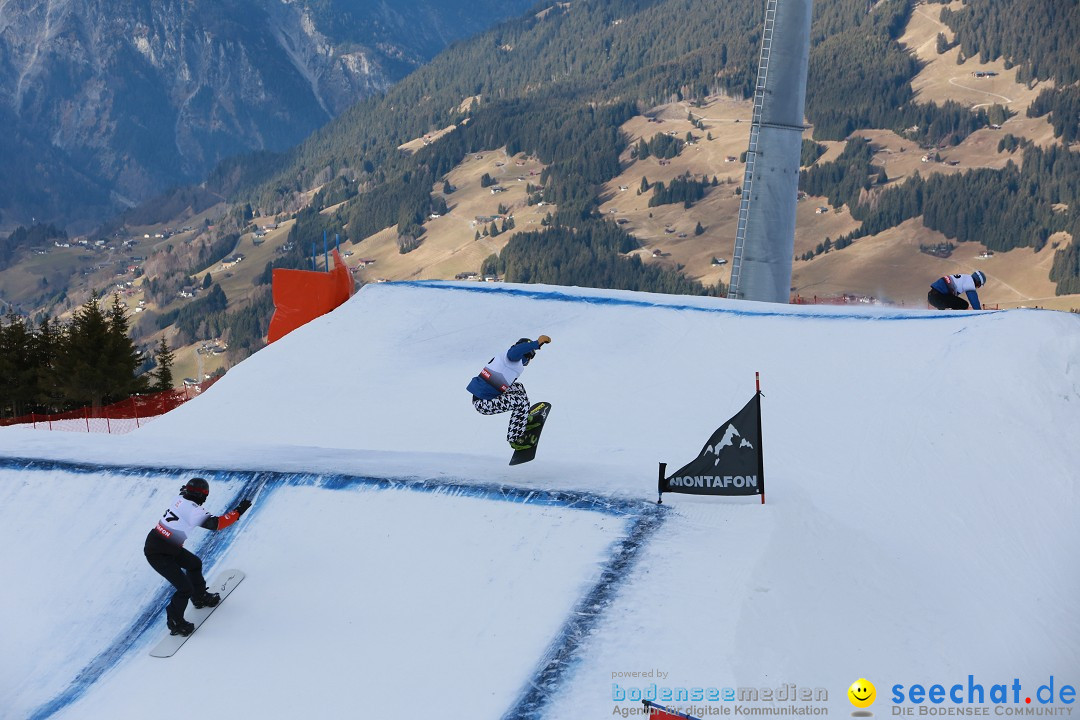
(520, 350)
(214, 522)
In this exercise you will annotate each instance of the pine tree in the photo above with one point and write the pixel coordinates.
(126, 358)
(85, 367)
(642, 149)
(163, 379)
(49, 339)
(16, 394)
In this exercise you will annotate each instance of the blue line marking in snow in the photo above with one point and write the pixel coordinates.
(557, 296)
(645, 518)
(561, 655)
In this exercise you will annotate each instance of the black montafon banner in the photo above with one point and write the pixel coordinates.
(730, 463)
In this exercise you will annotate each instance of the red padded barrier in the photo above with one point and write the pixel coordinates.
(300, 296)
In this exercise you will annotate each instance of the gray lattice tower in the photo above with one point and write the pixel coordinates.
(765, 237)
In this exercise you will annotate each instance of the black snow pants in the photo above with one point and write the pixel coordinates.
(941, 301)
(182, 568)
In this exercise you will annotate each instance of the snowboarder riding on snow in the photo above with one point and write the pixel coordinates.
(164, 550)
(945, 292)
(496, 390)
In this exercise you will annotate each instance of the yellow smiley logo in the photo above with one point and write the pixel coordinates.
(862, 693)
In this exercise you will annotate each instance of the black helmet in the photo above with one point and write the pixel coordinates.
(529, 355)
(196, 490)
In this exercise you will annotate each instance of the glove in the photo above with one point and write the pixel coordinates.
(243, 506)
(542, 340)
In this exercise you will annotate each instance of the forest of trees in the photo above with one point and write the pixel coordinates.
(589, 255)
(579, 145)
(245, 325)
(861, 78)
(90, 361)
(845, 179)
(188, 317)
(657, 52)
(1040, 36)
(810, 152)
(661, 145)
(1021, 205)
(683, 190)
(1063, 107)
(1044, 46)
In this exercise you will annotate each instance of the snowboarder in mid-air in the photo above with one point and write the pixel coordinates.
(164, 550)
(497, 390)
(945, 292)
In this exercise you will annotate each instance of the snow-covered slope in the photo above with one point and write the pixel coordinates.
(920, 524)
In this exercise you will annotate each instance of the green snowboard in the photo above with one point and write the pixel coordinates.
(538, 413)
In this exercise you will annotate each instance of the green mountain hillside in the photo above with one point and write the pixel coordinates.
(598, 142)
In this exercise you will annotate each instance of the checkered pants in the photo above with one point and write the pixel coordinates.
(514, 400)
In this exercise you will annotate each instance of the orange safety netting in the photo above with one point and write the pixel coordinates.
(120, 417)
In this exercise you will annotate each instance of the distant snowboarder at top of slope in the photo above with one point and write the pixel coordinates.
(164, 550)
(945, 292)
(497, 390)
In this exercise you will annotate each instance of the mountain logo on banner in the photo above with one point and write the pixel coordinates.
(729, 464)
(729, 441)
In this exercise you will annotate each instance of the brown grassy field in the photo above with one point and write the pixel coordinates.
(888, 266)
(449, 244)
(418, 143)
(943, 79)
(236, 280)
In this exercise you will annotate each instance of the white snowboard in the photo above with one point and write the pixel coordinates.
(223, 584)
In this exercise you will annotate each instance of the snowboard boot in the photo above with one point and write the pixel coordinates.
(524, 441)
(180, 627)
(206, 599)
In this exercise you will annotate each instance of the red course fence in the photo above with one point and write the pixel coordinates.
(120, 417)
(844, 299)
